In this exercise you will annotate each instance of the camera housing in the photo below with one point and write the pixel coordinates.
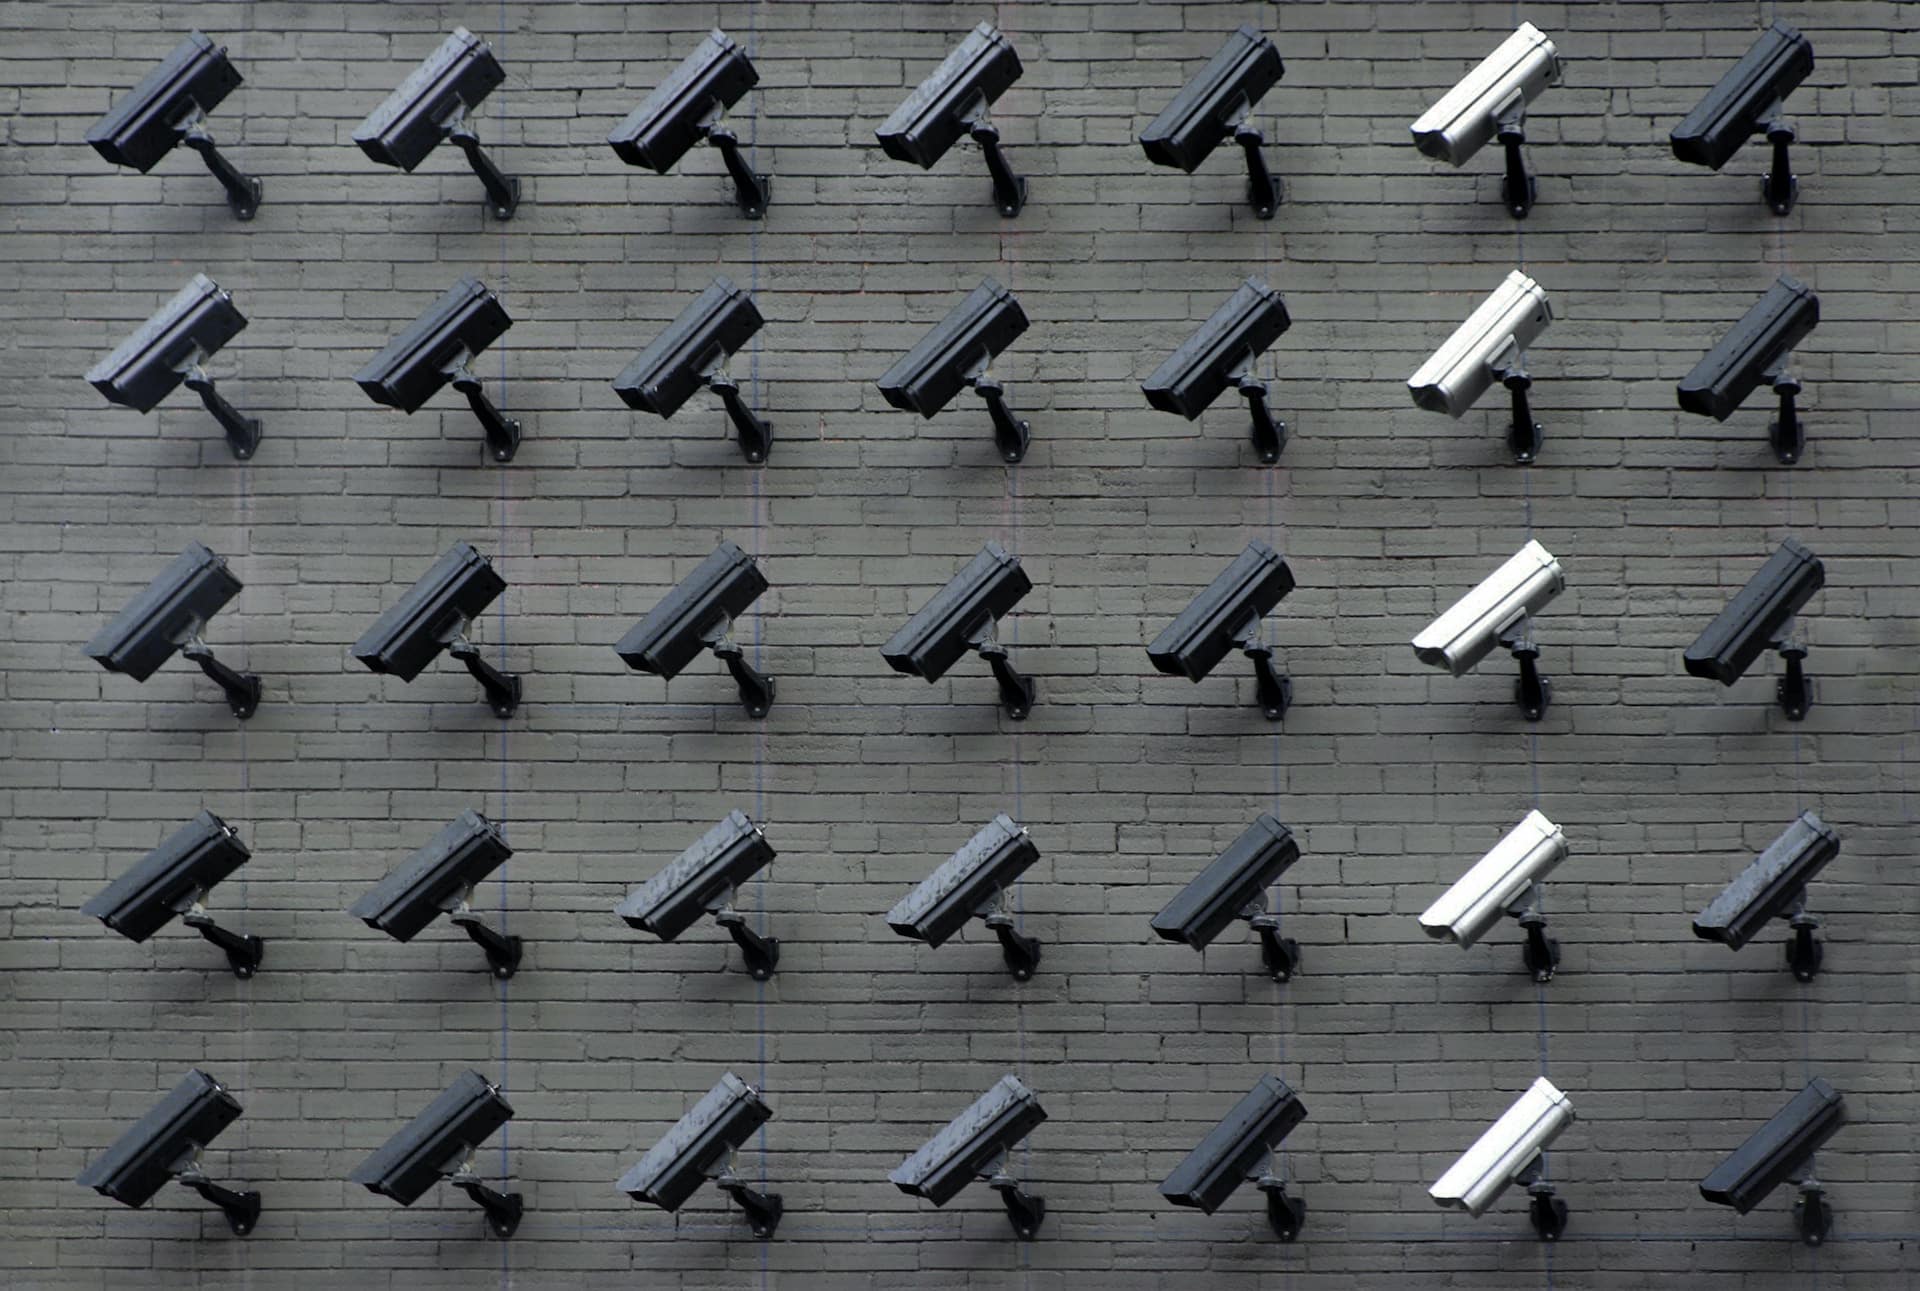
(702, 880)
(699, 1147)
(1217, 105)
(974, 882)
(956, 353)
(1505, 881)
(1234, 886)
(698, 615)
(1760, 618)
(1779, 1151)
(1226, 616)
(1490, 102)
(167, 350)
(1747, 101)
(1499, 611)
(434, 615)
(686, 108)
(692, 353)
(438, 348)
(1490, 346)
(439, 1144)
(979, 1143)
(169, 107)
(1239, 1150)
(439, 879)
(1509, 1153)
(167, 616)
(165, 1145)
(1773, 887)
(953, 102)
(1221, 354)
(433, 104)
(1754, 350)
(170, 881)
(961, 617)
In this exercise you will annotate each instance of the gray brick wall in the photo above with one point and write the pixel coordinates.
(1393, 777)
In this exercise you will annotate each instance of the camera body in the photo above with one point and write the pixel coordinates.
(1503, 1153)
(148, 897)
(1234, 880)
(144, 126)
(698, 1144)
(674, 118)
(415, 364)
(675, 632)
(152, 627)
(971, 1142)
(1469, 909)
(1468, 116)
(1734, 109)
(935, 116)
(1205, 111)
(1201, 635)
(150, 364)
(412, 120)
(143, 1160)
(1723, 378)
(1758, 614)
(927, 377)
(940, 632)
(411, 632)
(715, 326)
(723, 858)
(431, 1146)
(971, 879)
(434, 878)
(1194, 375)
(1235, 1149)
(1472, 627)
(1489, 342)
(1780, 1150)
(1770, 887)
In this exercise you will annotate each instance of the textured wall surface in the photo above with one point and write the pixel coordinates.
(1394, 777)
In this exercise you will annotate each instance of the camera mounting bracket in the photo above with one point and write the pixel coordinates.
(503, 432)
(1793, 691)
(1011, 434)
(1804, 951)
(1016, 692)
(242, 688)
(1022, 953)
(1779, 186)
(1285, 1214)
(503, 193)
(1786, 433)
(1009, 189)
(503, 951)
(1545, 1211)
(751, 193)
(754, 431)
(763, 1208)
(756, 688)
(243, 433)
(242, 1209)
(1524, 436)
(503, 1208)
(503, 688)
(1280, 954)
(243, 952)
(1024, 1210)
(243, 190)
(1541, 954)
(1533, 693)
(1517, 188)
(1274, 689)
(1812, 1216)
(1265, 191)
(1269, 433)
(761, 953)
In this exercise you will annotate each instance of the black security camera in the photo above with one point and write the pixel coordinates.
(1234, 886)
(171, 880)
(434, 615)
(1782, 1150)
(440, 1144)
(1773, 887)
(1221, 354)
(954, 102)
(686, 108)
(1748, 100)
(1217, 105)
(165, 1145)
(1240, 1150)
(1226, 616)
(439, 347)
(978, 1144)
(957, 353)
(168, 350)
(699, 1147)
(170, 107)
(1755, 349)
(698, 615)
(432, 104)
(167, 616)
(439, 879)
(1760, 618)
(702, 880)
(972, 883)
(693, 352)
(961, 617)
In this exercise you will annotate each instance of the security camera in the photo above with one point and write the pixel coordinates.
(1780, 1151)
(957, 353)
(686, 108)
(973, 882)
(168, 349)
(702, 880)
(961, 617)
(1226, 616)
(978, 1144)
(1756, 349)
(1239, 1150)
(1505, 881)
(693, 352)
(168, 616)
(1221, 354)
(1509, 1153)
(1217, 105)
(432, 104)
(1499, 611)
(434, 615)
(439, 347)
(170, 107)
(1773, 887)
(1760, 618)
(699, 1147)
(439, 879)
(1749, 100)
(171, 880)
(440, 1144)
(1490, 102)
(698, 615)
(166, 1143)
(1490, 346)
(954, 101)
(1234, 886)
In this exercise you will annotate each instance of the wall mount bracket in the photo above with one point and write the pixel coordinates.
(1285, 1214)
(244, 951)
(1265, 190)
(1021, 952)
(1524, 434)
(754, 432)
(1017, 692)
(1533, 693)
(1274, 689)
(1804, 951)
(243, 190)
(762, 953)
(502, 688)
(1011, 434)
(1793, 691)
(503, 432)
(751, 193)
(503, 192)
(1009, 189)
(1812, 1216)
(503, 1208)
(243, 432)
(1779, 186)
(503, 952)
(1281, 955)
(756, 688)
(763, 1208)
(242, 688)
(1517, 188)
(1786, 433)
(242, 1209)
(1024, 1210)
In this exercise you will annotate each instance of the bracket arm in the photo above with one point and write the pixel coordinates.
(244, 951)
(243, 190)
(761, 953)
(503, 192)
(242, 1209)
(1265, 191)
(1009, 189)
(751, 193)
(242, 688)
(503, 951)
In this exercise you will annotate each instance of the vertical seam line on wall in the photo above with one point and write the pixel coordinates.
(243, 515)
(499, 115)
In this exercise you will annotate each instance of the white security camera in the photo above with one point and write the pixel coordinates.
(1504, 881)
(1491, 102)
(1498, 611)
(1490, 346)
(1509, 1153)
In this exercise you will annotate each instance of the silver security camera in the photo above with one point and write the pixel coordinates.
(978, 1144)
(1234, 886)
(167, 351)
(1781, 1151)
(438, 348)
(168, 616)
(698, 615)
(1221, 354)
(439, 879)
(1509, 1153)
(961, 618)
(434, 615)
(170, 107)
(958, 352)
(1217, 105)
(1760, 618)
(1499, 611)
(171, 880)
(432, 104)
(1754, 350)
(1773, 887)
(1748, 100)
(1490, 102)
(686, 108)
(702, 880)
(440, 1143)
(1239, 1150)
(699, 1147)
(693, 352)
(1505, 881)
(1490, 346)
(953, 102)
(974, 882)
(165, 1145)
(1226, 616)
